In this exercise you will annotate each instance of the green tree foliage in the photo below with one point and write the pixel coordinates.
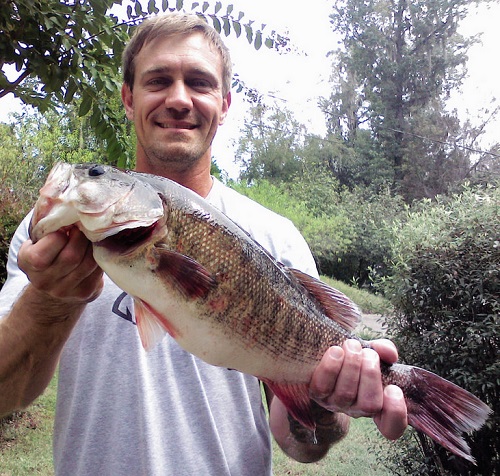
(366, 221)
(445, 287)
(66, 49)
(270, 145)
(396, 67)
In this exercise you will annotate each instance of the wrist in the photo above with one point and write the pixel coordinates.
(50, 309)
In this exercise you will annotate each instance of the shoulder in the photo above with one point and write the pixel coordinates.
(277, 234)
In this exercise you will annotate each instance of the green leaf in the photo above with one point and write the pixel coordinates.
(216, 23)
(70, 90)
(164, 5)
(226, 26)
(218, 6)
(258, 40)
(249, 32)
(237, 28)
(205, 7)
(229, 10)
(152, 8)
(138, 8)
(179, 4)
(85, 105)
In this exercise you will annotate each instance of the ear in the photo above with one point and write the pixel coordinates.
(226, 102)
(128, 101)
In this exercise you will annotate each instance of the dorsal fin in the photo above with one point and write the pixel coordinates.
(336, 305)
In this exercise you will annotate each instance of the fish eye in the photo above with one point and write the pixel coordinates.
(96, 170)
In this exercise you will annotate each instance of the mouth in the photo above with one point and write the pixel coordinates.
(127, 241)
(177, 125)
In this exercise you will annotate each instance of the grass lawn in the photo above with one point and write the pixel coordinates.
(355, 455)
(26, 440)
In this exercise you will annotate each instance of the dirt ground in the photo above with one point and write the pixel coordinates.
(373, 322)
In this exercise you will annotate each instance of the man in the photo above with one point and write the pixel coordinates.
(121, 410)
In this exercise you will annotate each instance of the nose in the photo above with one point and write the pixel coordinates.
(178, 97)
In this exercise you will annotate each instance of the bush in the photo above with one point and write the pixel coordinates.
(445, 288)
(14, 205)
(349, 232)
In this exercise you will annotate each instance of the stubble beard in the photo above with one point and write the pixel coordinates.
(178, 157)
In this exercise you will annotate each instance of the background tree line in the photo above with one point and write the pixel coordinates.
(396, 197)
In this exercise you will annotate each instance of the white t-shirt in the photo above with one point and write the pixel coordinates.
(124, 411)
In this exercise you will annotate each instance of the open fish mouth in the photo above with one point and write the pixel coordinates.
(128, 240)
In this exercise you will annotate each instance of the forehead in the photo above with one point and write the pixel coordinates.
(179, 52)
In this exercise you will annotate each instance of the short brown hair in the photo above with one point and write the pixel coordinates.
(173, 24)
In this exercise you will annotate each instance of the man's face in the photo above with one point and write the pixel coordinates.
(176, 103)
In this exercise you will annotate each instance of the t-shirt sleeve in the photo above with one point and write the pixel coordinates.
(16, 279)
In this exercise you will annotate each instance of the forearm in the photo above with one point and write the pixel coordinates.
(32, 336)
(303, 444)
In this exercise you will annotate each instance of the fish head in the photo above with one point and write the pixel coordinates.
(100, 200)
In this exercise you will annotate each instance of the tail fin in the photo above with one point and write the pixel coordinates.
(439, 408)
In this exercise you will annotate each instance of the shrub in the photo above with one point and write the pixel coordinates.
(445, 288)
(14, 205)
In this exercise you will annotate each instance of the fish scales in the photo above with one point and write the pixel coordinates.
(195, 274)
(255, 307)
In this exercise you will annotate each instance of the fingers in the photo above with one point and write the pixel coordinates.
(62, 265)
(325, 376)
(385, 349)
(393, 419)
(348, 379)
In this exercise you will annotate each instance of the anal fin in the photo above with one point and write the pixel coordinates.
(295, 398)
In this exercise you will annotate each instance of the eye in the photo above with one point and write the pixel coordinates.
(157, 84)
(96, 170)
(200, 84)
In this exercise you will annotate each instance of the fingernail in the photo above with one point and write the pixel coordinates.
(336, 353)
(353, 345)
(394, 391)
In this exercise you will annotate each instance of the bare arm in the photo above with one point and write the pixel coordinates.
(347, 382)
(63, 278)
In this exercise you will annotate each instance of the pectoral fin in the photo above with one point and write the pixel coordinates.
(191, 278)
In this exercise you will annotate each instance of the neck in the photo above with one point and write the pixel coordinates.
(196, 177)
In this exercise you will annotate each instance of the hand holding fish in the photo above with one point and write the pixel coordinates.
(61, 265)
(348, 380)
(64, 277)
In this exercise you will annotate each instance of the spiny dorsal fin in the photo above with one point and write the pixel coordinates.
(336, 305)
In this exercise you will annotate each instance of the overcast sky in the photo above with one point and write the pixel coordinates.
(300, 79)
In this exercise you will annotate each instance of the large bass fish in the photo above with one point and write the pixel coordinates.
(195, 274)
